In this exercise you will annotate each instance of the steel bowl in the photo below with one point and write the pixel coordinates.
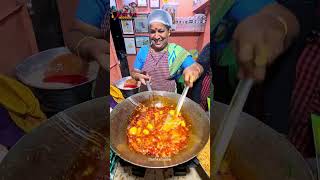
(127, 92)
(54, 97)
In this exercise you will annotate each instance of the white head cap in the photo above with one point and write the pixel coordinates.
(160, 16)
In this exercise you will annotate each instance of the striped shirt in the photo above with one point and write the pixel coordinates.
(305, 98)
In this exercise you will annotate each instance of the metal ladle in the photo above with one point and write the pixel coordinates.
(149, 86)
(181, 100)
(170, 121)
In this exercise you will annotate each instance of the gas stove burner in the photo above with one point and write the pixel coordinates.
(188, 170)
(180, 171)
(138, 171)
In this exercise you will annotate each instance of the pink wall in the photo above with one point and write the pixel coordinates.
(205, 37)
(187, 40)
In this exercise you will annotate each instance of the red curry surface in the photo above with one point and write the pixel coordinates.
(150, 132)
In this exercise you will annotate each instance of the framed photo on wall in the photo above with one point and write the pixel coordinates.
(142, 41)
(142, 3)
(113, 3)
(141, 24)
(172, 10)
(127, 2)
(155, 4)
(130, 45)
(127, 27)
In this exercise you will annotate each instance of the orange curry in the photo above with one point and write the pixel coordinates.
(152, 133)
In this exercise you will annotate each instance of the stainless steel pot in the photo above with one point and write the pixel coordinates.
(127, 92)
(54, 97)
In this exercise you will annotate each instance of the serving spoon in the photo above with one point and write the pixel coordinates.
(149, 86)
(182, 98)
(181, 101)
(170, 121)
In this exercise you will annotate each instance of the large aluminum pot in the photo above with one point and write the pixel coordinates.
(119, 120)
(54, 97)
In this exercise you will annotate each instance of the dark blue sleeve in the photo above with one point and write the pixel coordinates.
(244, 8)
(92, 11)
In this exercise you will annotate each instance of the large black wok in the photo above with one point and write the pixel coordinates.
(49, 151)
(119, 119)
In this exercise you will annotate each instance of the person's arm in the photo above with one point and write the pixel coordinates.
(85, 37)
(260, 38)
(79, 31)
(136, 72)
(285, 18)
(191, 71)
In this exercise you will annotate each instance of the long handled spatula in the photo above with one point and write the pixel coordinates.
(229, 123)
(170, 121)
